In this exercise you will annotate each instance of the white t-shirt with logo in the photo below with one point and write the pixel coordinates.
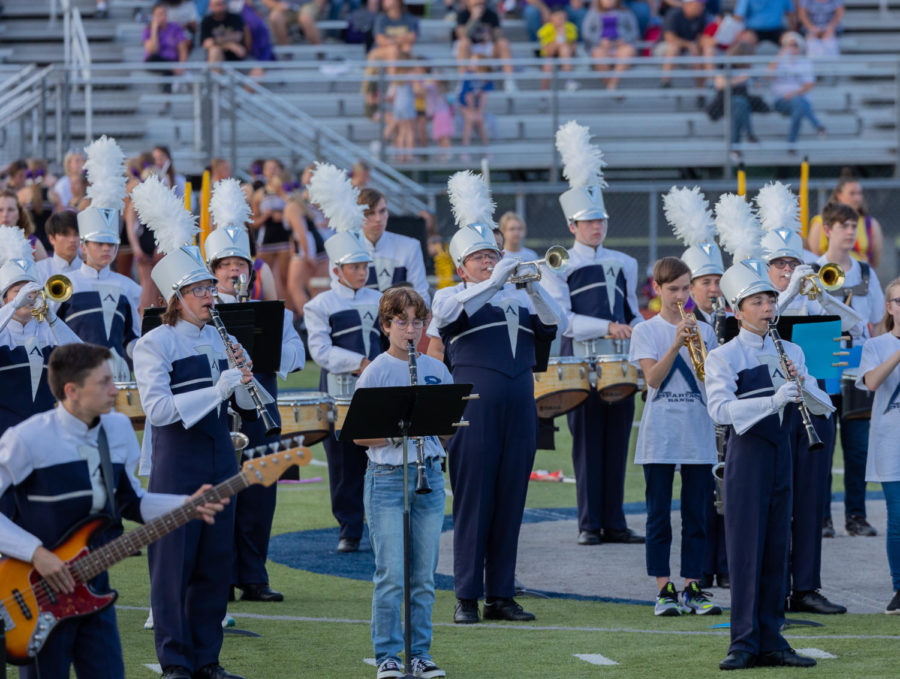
(883, 463)
(675, 427)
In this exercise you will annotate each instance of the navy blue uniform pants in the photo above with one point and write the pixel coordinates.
(346, 478)
(600, 434)
(490, 464)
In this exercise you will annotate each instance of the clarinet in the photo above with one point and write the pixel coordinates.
(815, 443)
(719, 319)
(241, 288)
(271, 428)
(422, 487)
(718, 470)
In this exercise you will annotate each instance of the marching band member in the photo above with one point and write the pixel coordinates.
(343, 336)
(62, 230)
(103, 308)
(395, 258)
(51, 478)
(862, 291)
(782, 245)
(687, 211)
(186, 385)
(227, 251)
(746, 389)
(878, 372)
(490, 330)
(25, 341)
(597, 291)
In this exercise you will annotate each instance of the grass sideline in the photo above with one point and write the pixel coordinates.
(329, 633)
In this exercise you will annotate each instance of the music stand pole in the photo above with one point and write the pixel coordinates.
(407, 558)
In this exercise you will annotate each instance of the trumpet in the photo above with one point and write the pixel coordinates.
(58, 289)
(555, 259)
(827, 279)
(695, 344)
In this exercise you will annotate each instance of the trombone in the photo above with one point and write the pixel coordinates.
(695, 344)
(829, 278)
(554, 259)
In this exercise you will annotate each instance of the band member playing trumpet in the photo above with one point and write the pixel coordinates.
(747, 390)
(670, 349)
(186, 386)
(25, 341)
(490, 330)
(342, 326)
(597, 291)
(227, 251)
(779, 213)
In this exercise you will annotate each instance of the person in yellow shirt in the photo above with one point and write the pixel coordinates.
(558, 38)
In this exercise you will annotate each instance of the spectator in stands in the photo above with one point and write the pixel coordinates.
(743, 102)
(439, 112)
(361, 174)
(609, 31)
(820, 21)
(61, 192)
(260, 42)
(223, 34)
(537, 14)
(472, 100)
(34, 197)
(78, 189)
(102, 11)
(764, 19)
(162, 159)
(793, 78)
(165, 41)
(683, 34)
(282, 15)
(559, 39)
(644, 13)
(478, 32)
(15, 174)
(512, 226)
(12, 213)
(272, 234)
(395, 31)
(219, 169)
(184, 13)
(401, 94)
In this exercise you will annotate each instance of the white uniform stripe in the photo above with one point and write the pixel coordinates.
(60, 497)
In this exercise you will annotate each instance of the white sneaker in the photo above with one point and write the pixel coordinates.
(426, 669)
(389, 668)
(510, 86)
(571, 85)
(148, 623)
(228, 621)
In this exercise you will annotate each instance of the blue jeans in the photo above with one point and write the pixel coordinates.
(797, 108)
(383, 498)
(740, 118)
(892, 499)
(641, 11)
(534, 20)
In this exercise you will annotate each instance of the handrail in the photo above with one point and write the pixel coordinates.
(78, 55)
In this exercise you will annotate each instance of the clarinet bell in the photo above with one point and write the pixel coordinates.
(815, 443)
(422, 485)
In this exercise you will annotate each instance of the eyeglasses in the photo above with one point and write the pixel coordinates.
(484, 257)
(784, 263)
(203, 290)
(895, 300)
(402, 323)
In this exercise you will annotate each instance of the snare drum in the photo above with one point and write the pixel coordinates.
(616, 377)
(306, 412)
(342, 405)
(128, 402)
(562, 387)
(856, 404)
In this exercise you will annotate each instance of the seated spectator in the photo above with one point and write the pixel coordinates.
(764, 19)
(537, 13)
(793, 78)
(743, 102)
(16, 174)
(34, 197)
(820, 20)
(223, 34)
(219, 169)
(361, 174)
(165, 41)
(558, 38)
(396, 31)
(643, 12)
(282, 15)
(184, 13)
(61, 192)
(102, 11)
(610, 31)
(260, 47)
(683, 34)
(472, 101)
(478, 32)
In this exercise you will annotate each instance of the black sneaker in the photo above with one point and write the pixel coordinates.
(813, 602)
(506, 609)
(893, 608)
(857, 525)
(466, 612)
(828, 528)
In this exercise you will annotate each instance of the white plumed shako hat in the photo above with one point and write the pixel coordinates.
(331, 189)
(230, 213)
(740, 234)
(583, 167)
(473, 211)
(688, 213)
(105, 167)
(16, 259)
(779, 213)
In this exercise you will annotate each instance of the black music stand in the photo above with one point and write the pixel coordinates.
(392, 412)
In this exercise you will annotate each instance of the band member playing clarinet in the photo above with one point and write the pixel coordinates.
(186, 385)
(491, 330)
(597, 292)
(402, 313)
(227, 251)
(747, 389)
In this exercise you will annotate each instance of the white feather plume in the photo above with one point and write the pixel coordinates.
(105, 166)
(14, 245)
(582, 161)
(330, 188)
(228, 204)
(688, 213)
(738, 226)
(163, 212)
(778, 207)
(470, 199)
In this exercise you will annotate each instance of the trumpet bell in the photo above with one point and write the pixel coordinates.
(831, 276)
(58, 288)
(556, 257)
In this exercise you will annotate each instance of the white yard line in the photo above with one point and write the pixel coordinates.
(815, 653)
(595, 659)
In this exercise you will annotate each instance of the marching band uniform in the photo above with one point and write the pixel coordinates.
(396, 259)
(54, 264)
(491, 332)
(255, 507)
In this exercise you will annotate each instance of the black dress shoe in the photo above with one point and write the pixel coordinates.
(813, 602)
(857, 525)
(214, 671)
(506, 609)
(784, 658)
(723, 581)
(627, 536)
(706, 581)
(738, 660)
(827, 528)
(260, 592)
(589, 537)
(347, 545)
(176, 672)
(466, 612)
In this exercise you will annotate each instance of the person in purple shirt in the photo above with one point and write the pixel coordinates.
(164, 40)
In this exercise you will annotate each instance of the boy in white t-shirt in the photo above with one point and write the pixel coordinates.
(402, 313)
(675, 430)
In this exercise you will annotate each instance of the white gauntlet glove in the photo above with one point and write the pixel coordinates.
(787, 393)
(26, 295)
(228, 382)
(503, 270)
(793, 288)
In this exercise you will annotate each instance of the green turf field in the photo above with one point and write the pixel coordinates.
(321, 630)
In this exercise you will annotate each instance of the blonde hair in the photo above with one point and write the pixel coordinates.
(888, 319)
(509, 217)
